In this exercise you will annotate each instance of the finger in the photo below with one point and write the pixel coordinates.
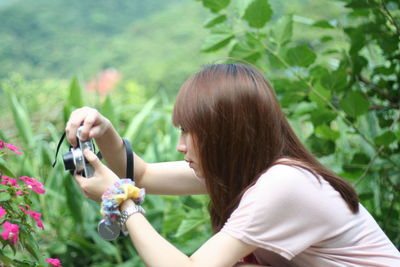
(92, 158)
(81, 183)
(95, 131)
(75, 120)
(70, 134)
(79, 179)
(90, 120)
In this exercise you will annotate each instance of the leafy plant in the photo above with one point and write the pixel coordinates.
(19, 222)
(340, 88)
(71, 220)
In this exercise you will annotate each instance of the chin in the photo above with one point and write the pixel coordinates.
(199, 174)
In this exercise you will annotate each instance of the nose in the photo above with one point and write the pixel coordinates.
(181, 147)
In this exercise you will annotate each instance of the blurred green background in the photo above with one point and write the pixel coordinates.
(334, 65)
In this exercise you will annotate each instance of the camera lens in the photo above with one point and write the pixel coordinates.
(69, 161)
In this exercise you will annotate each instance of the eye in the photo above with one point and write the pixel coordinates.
(183, 130)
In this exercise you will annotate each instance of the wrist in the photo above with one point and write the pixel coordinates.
(108, 131)
(126, 204)
(130, 209)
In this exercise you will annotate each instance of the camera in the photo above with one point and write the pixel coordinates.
(74, 160)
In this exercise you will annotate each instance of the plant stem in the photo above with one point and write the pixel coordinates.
(387, 13)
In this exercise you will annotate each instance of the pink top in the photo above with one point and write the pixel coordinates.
(295, 220)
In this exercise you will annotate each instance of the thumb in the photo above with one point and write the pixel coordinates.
(92, 158)
(79, 179)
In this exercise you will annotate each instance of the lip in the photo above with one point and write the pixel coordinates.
(190, 162)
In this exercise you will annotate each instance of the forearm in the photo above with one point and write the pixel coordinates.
(152, 247)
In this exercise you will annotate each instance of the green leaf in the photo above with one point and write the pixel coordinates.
(216, 41)
(22, 120)
(3, 187)
(320, 147)
(359, 62)
(275, 61)
(5, 169)
(326, 132)
(215, 5)
(357, 164)
(335, 81)
(4, 196)
(241, 6)
(4, 259)
(385, 139)
(301, 56)
(354, 104)
(320, 95)
(215, 20)
(74, 199)
(194, 219)
(108, 110)
(323, 24)
(171, 217)
(325, 39)
(31, 245)
(358, 39)
(258, 13)
(292, 97)
(303, 129)
(318, 72)
(75, 98)
(283, 30)
(321, 116)
(137, 121)
(248, 51)
(360, 4)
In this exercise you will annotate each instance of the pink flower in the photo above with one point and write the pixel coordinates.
(54, 262)
(2, 212)
(19, 192)
(104, 82)
(13, 148)
(11, 232)
(36, 216)
(33, 184)
(25, 211)
(10, 181)
(2, 144)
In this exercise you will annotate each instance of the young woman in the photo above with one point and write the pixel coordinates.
(270, 198)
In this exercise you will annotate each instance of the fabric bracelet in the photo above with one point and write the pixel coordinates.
(113, 197)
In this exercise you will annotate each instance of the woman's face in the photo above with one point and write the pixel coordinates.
(186, 146)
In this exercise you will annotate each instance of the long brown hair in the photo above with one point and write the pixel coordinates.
(240, 131)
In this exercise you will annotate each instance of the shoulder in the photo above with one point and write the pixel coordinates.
(281, 188)
(283, 180)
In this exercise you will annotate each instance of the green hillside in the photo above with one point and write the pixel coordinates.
(61, 39)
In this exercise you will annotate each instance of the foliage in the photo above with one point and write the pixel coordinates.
(336, 76)
(340, 88)
(142, 40)
(17, 218)
(71, 30)
(71, 220)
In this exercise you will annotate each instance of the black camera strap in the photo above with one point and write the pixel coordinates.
(58, 148)
(129, 159)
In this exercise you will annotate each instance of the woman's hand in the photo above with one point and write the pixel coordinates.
(103, 178)
(94, 124)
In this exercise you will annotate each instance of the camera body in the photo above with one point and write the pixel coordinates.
(74, 160)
